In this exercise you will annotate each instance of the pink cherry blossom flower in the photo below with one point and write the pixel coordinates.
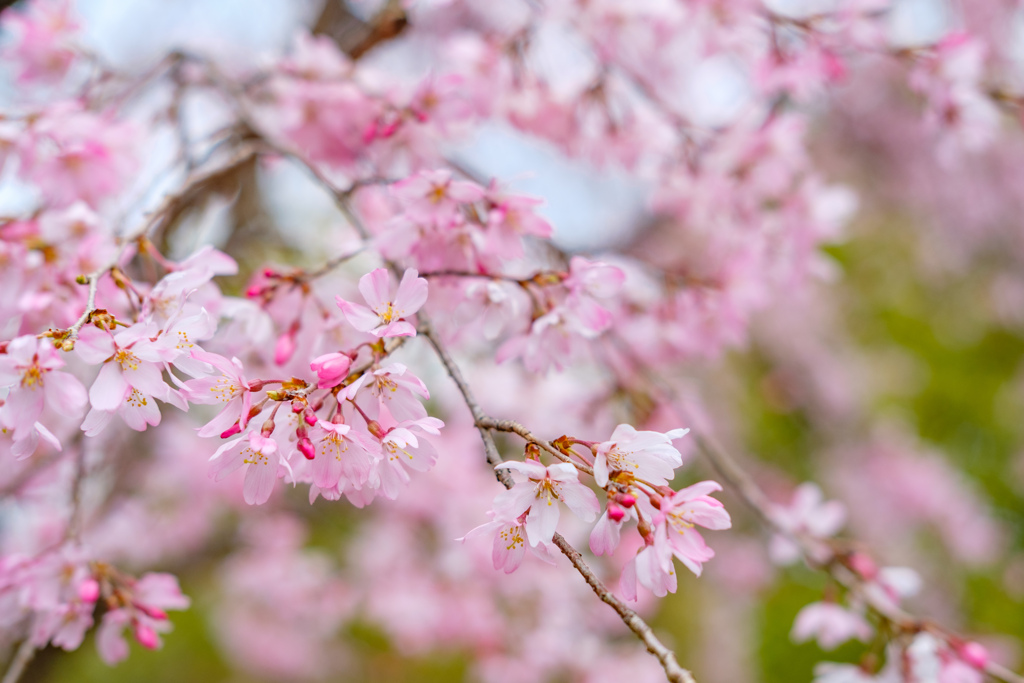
(43, 47)
(652, 568)
(230, 388)
(930, 659)
(130, 379)
(648, 456)
(829, 623)
(394, 386)
(892, 584)
(150, 596)
(175, 292)
(30, 369)
(432, 197)
(304, 113)
(806, 514)
(538, 490)
(680, 513)
(27, 441)
(494, 306)
(131, 360)
(510, 219)
(589, 281)
(262, 459)
(386, 316)
(551, 342)
(510, 543)
(604, 537)
(402, 445)
(88, 158)
(180, 337)
(342, 451)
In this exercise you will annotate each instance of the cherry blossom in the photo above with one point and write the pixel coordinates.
(537, 492)
(386, 316)
(262, 459)
(830, 624)
(231, 388)
(806, 514)
(646, 456)
(30, 368)
(510, 544)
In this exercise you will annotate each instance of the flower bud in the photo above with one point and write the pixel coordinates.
(146, 636)
(152, 612)
(298, 405)
(268, 428)
(626, 500)
(974, 654)
(615, 513)
(89, 591)
(306, 448)
(285, 347)
(331, 369)
(863, 565)
(231, 431)
(374, 428)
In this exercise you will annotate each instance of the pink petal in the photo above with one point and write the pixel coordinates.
(412, 293)
(110, 389)
(375, 287)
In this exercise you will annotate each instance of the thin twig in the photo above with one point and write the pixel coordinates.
(484, 424)
(527, 435)
(26, 651)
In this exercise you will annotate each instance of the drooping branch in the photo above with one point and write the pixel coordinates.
(818, 554)
(484, 423)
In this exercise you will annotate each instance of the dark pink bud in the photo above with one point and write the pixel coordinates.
(306, 448)
(231, 431)
(146, 636)
(370, 132)
(310, 417)
(626, 500)
(863, 565)
(615, 513)
(298, 406)
(269, 272)
(153, 612)
(285, 347)
(974, 654)
(254, 291)
(89, 591)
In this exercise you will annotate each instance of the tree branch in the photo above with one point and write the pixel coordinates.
(26, 651)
